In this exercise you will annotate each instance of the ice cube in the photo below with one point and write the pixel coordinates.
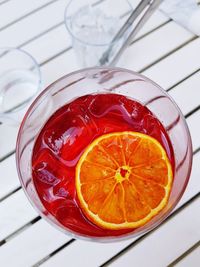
(92, 26)
(44, 174)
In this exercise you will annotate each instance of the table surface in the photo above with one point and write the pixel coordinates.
(163, 51)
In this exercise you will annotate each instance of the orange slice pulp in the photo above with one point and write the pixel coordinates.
(123, 180)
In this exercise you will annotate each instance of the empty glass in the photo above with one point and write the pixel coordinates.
(20, 80)
(92, 25)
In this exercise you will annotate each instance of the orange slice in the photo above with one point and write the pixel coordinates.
(123, 180)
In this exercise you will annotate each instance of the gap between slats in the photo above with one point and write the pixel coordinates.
(3, 2)
(192, 259)
(20, 230)
(53, 253)
(184, 255)
(184, 79)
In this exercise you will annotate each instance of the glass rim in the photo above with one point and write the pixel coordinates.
(106, 239)
(66, 22)
(8, 49)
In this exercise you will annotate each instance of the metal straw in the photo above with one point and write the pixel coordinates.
(137, 11)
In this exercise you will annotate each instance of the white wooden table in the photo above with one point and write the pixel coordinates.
(165, 52)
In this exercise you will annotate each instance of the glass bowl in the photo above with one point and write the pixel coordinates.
(105, 80)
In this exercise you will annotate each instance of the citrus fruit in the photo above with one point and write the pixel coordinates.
(123, 179)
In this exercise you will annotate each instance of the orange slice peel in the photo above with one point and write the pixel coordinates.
(123, 180)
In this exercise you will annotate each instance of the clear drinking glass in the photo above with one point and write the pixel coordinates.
(20, 80)
(92, 25)
(104, 80)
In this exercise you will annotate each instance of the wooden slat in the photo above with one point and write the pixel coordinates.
(193, 123)
(187, 93)
(33, 25)
(177, 66)
(193, 186)
(9, 180)
(47, 46)
(154, 22)
(15, 211)
(31, 245)
(193, 259)
(152, 47)
(8, 139)
(96, 253)
(8, 12)
(184, 228)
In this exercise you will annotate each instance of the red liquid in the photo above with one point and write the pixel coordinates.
(62, 141)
